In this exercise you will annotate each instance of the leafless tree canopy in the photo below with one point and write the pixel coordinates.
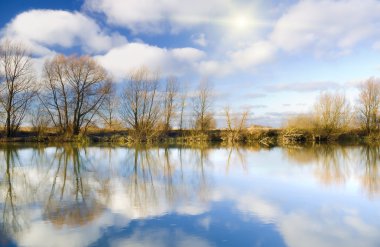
(17, 84)
(182, 106)
(369, 102)
(236, 123)
(76, 91)
(202, 108)
(170, 104)
(332, 112)
(108, 110)
(300, 122)
(140, 106)
(39, 118)
(75, 87)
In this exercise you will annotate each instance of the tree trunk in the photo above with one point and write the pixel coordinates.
(8, 126)
(76, 130)
(8, 132)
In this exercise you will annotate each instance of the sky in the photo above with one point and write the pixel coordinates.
(270, 57)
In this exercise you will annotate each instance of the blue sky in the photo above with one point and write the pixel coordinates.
(272, 57)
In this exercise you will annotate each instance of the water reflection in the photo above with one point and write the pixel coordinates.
(371, 177)
(75, 196)
(11, 216)
(331, 161)
(334, 164)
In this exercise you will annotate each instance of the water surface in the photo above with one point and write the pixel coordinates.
(247, 196)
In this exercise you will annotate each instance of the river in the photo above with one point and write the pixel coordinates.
(69, 195)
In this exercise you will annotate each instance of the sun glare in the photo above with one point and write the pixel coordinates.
(241, 22)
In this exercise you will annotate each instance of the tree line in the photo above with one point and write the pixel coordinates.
(333, 114)
(75, 92)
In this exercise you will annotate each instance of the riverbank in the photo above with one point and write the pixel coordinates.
(263, 136)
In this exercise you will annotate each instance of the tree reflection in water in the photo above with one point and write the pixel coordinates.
(73, 190)
(240, 154)
(73, 196)
(73, 187)
(12, 218)
(334, 164)
(370, 177)
(155, 180)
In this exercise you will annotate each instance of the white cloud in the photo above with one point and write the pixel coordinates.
(243, 59)
(39, 63)
(193, 208)
(304, 86)
(123, 59)
(376, 45)
(187, 54)
(329, 229)
(151, 15)
(200, 39)
(159, 238)
(257, 53)
(40, 29)
(214, 67)
(252, 204)
(328, 27)
(44, 235)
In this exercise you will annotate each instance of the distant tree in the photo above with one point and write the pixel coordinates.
(75, 87)
(204, 119)
(332, 112)
(235, 124)
(17, 84)
(140, 105)
(170, 104)
(108, 110)
(369, 102)
(182, 106)
(39, 118)
(300, 122)
(208, 122)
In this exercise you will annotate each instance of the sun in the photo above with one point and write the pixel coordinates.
(241, 22)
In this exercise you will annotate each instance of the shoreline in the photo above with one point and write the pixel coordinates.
(266, 137)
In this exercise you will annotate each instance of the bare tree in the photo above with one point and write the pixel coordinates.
(56, 96)
(170, 97)
(235, 124)
(75, 87)
(182, 106)
(140, 107)
(108, 110)
(202, 108)
(369, 102)
(39, 118)
(299, 122)
(332, 112)
(17, 84)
